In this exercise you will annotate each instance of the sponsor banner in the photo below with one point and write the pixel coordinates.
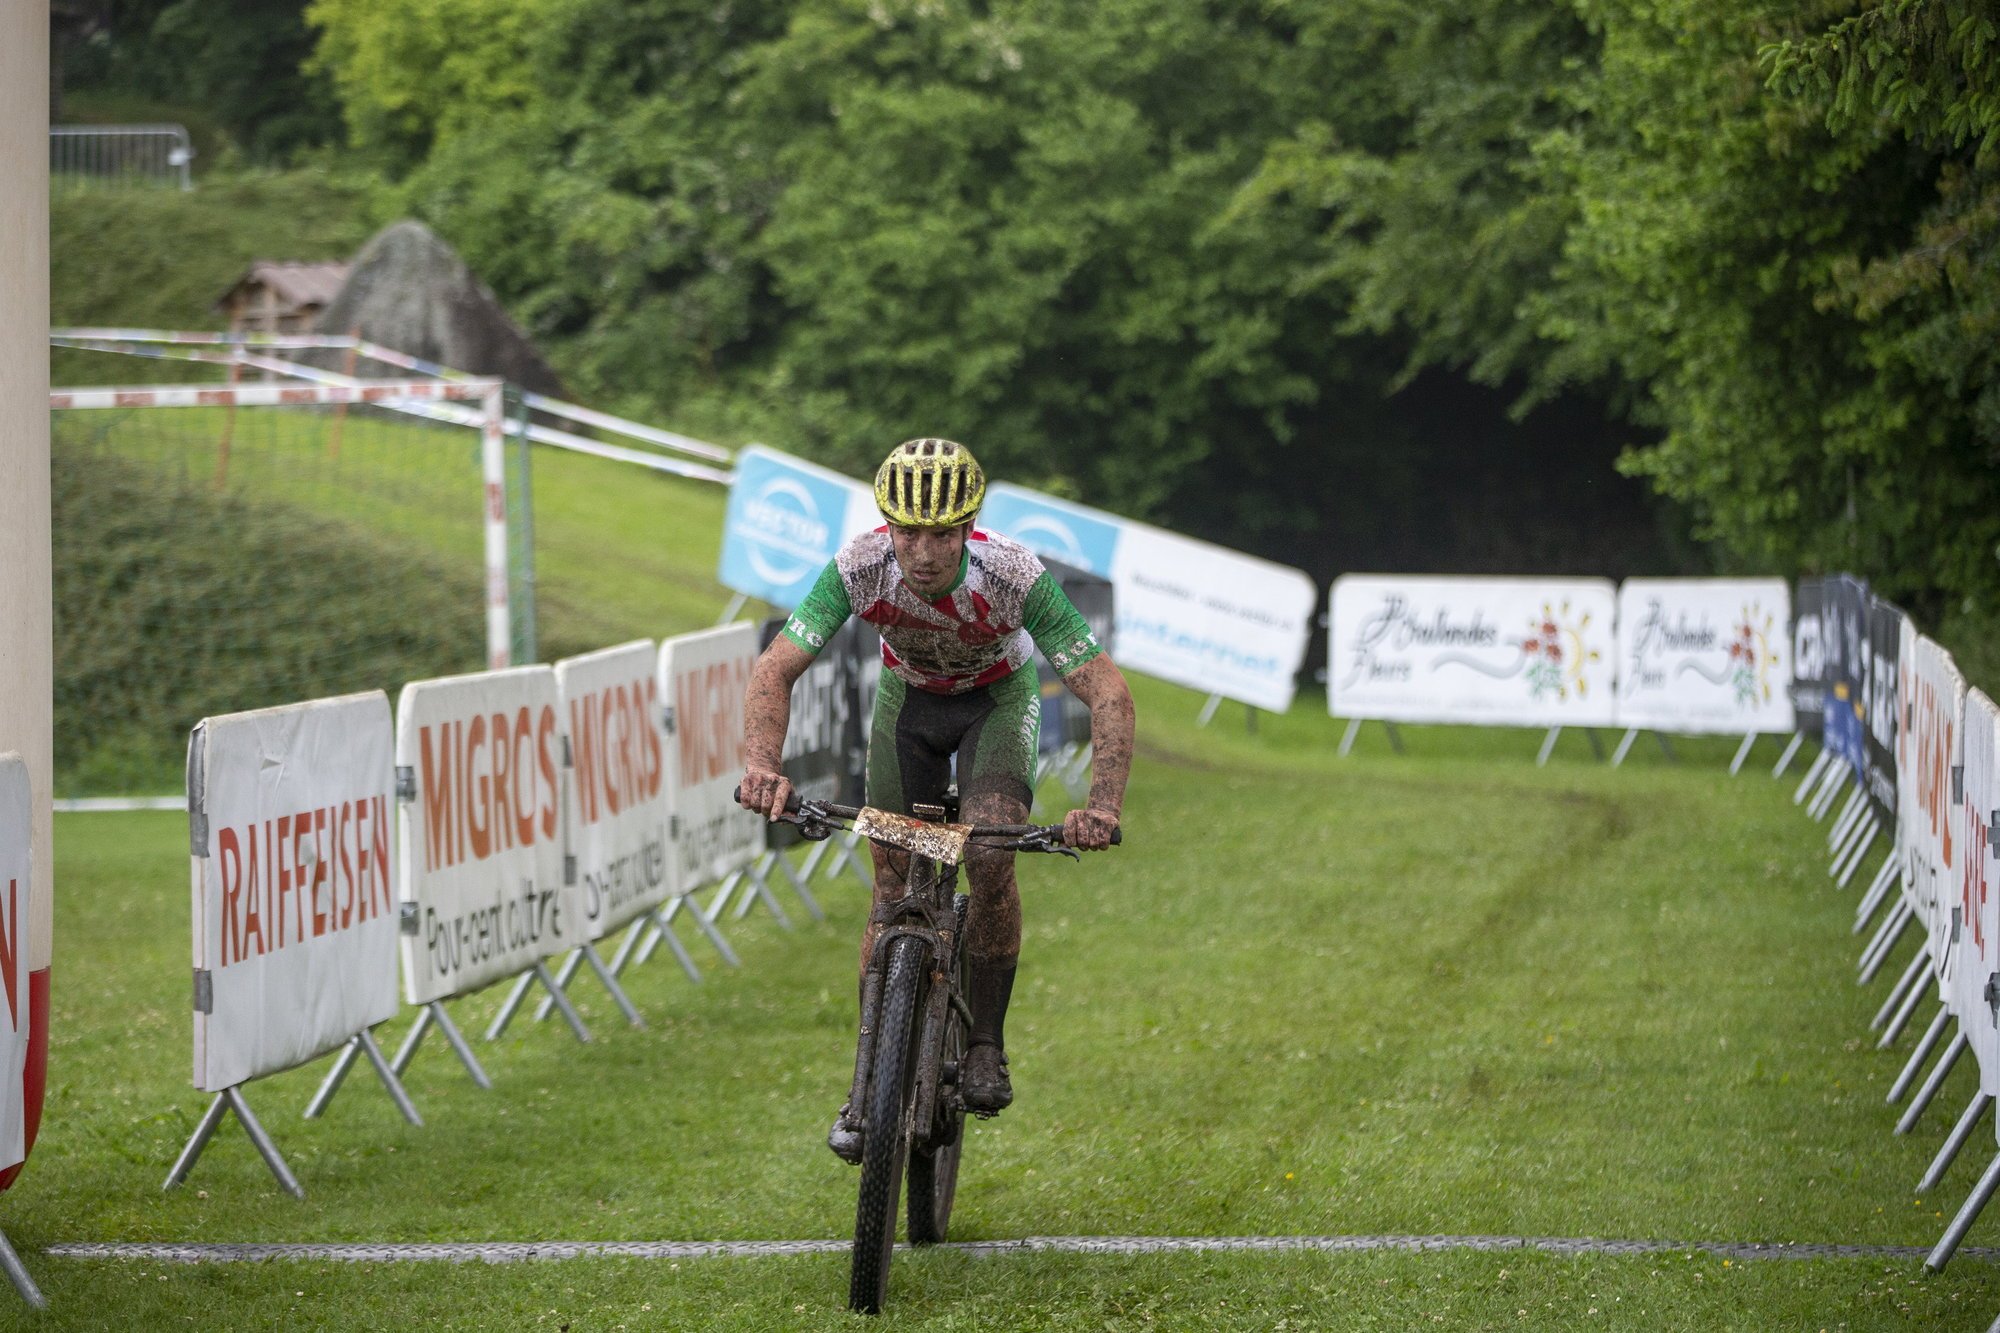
(1808, 657)
(1523, 652)
(1186, 611)
(1845, 617)
(1704, 655)
(289, 812)
(609, 718)
(1929, 744)
(1066, 718)
(1979, 875)
(1886, 626)
(786, 519)
(826, 752)
(480, 759)
(703, 677)
(16, 892)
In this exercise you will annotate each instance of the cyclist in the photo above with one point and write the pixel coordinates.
(960, 613)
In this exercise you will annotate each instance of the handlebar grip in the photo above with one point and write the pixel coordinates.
(1117, 836)
(791, 801)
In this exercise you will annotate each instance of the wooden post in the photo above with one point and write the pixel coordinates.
(340, 409)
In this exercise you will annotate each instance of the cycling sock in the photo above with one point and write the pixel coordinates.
(989, 984)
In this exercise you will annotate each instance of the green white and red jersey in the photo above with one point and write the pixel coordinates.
(984, 627)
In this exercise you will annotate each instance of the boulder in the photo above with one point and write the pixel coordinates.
(408, 290)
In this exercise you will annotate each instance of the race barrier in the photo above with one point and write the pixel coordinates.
(17, 882)
(1704, 656)
(295, 902)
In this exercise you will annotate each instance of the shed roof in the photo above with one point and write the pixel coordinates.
(295, 284)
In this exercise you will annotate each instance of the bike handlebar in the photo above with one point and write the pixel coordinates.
(793, 806)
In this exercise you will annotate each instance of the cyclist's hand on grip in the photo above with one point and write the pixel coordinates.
(1089, 829)
(765, 793)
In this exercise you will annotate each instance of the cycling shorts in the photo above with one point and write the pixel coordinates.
(994, 730)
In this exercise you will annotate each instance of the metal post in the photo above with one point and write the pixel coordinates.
(1921, 1102)
(1742, 753)
(397, 1093)
(1208, 710)
(1861, 853)
(565, 975)
(1878, 892)
(1925, 1045)
(663, 931)
(1347, 737)
(1849, 812)
(1885, 940)
(1624, 746)
(334, 1078)
(706, 921)
(1785, 759)
(1596, 743)
(1835, 784)
(562, 1002)
(411, 1040)
(511, 1007)
(460, 1045)
(1975, 1110)
(729, 611)
(1838, 855)
(1666, 747)
(1548, 746)
(493, 466)
(1974, 1202)
(1814, 772)
(618, 995)
(203, 1132)
(17, 1273)
(1901, 1020)
(1395, 737)
(265, 1147)
(522, 607)
(1911, 976)
(761, 887)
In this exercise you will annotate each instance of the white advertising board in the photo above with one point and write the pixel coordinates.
(1186, 611)
(1705, 655)
(703, 678)
(1928, 747)
(294, 886)
(481, 830)
(1979, 874)
(16, 892)
(785, 520)
(1527, 652)
(611, 729)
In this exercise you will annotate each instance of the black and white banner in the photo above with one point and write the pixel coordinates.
(611, 730)
(1845, 616)
(1509, 652)
(479, 759)
(1887, 626)
(290, 812)
(1808, 657)
(1705, 655)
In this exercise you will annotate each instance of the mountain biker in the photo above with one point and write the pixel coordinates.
(960, 613)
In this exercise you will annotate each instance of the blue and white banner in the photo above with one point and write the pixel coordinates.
(786, 518)
(1186, 611)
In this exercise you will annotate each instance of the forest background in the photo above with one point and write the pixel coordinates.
(1584, 286)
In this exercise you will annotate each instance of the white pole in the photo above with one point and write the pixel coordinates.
(493, 457)
(27, 689)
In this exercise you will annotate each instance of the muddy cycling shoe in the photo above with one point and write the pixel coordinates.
(845, 1137)
(982, 1080)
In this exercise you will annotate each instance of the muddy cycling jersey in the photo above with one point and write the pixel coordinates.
(1002, 606)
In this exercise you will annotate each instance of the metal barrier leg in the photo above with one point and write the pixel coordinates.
(1785, 759)
(17, 1273)
(203, 1132)
(1624, 746)
(1901, 1020)
(799, 887)
(610, 980)
(1974, 1202)
(1885, 942)
(555, 990)
(1925, 1045)
(1347, 737)
(1850, 811)
(1814, 772)
(412, 1039)
(564, 976)
(707, 924)
(1878, 892)
(265, 1147)
(334, 1078)
(461, 1046)
(1548, 746)
(1922, 1101)
(1742, 753)
(662, 932)
(1911, 979)
(1975, 1110)
(1861, 853)
(512, 1006)
(397, 1094)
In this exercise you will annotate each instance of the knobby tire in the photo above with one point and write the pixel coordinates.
(934, 1174)
(885, 1146)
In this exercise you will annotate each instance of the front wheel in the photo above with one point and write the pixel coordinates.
(886, 1141)
(934, 1174)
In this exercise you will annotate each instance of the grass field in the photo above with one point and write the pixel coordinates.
(1439, 993)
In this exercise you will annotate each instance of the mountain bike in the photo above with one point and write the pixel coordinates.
(914, 1025)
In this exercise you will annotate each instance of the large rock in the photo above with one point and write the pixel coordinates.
(408, 290)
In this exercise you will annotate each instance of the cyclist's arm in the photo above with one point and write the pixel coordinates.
(767, 704)
(1101, 686)
(767, 714)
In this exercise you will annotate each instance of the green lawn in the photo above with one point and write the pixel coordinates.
(1439, 993)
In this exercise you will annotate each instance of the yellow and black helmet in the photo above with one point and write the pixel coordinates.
(929, 483)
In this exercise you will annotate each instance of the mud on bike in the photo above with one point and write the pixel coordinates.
(914, 1024)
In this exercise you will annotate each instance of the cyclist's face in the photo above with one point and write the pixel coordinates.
(929, 557)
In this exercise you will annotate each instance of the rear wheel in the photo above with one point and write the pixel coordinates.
(934, 1174)
(885, 1146)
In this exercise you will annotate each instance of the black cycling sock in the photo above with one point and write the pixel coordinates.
(989, 984)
